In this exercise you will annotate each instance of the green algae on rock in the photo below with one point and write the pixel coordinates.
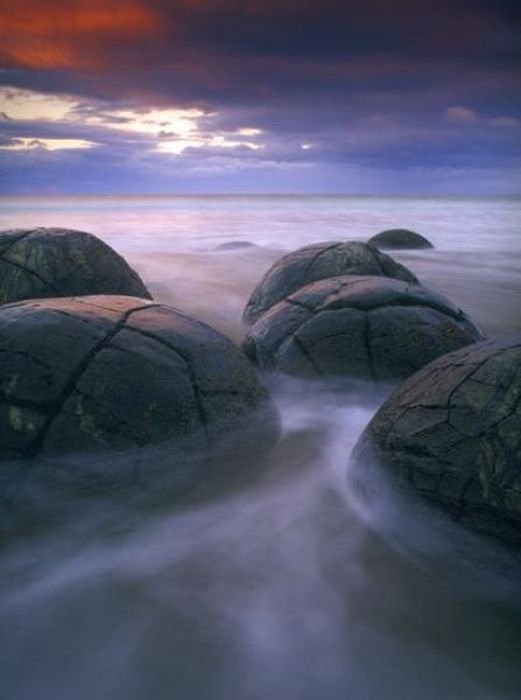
(452, 433)
(57, 262)
(316, 262)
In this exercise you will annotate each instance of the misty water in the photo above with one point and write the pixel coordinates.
(294, 586)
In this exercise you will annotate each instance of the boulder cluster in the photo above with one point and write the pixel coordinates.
(90, 362)
(347, 309)
(451, 432)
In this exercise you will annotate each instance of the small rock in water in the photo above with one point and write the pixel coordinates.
(399, 239)
(316, 262)
(452, 433)
(235, 245)
(58, 262)
(373, 328)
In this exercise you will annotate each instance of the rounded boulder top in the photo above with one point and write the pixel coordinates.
(97, 372)
(370, 328)
(57, 262)
(317, 262)
(399, 239)
(452, 434)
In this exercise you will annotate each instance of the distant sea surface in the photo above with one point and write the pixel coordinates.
(293, 589)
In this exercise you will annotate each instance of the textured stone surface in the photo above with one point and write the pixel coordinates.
(399, 238)
(316, 262)
(112, 372)
(452, 433)
(56, 262)
(361, 327)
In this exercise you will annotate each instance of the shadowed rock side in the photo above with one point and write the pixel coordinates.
(399, 239)
(316, 262)
(361, 327)
(56, 262)
(113, 372)
(452, 433)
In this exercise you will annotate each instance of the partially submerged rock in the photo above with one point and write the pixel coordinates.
(373, 328)
(57, 262)
(452, 433)
(235, 245)
(99, 372)
(399, 239)
(316, 262)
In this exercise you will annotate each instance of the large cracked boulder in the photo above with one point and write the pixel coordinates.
(57, 262)
(399, 239)
(316, 262)
(97, 372)
(373, 328)
(452, 433)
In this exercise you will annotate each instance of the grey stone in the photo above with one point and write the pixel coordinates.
(399, 239)
(369, 328)
(112, 372)
(452, 434)
(316, 262)
(56, 262)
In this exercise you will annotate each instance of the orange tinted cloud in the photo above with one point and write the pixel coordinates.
(71, 34)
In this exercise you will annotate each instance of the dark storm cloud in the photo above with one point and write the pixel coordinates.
(362, 84)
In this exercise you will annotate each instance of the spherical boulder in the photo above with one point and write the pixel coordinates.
(95, 372)
(373, 328)
(399, 239)
(452, 433)
(316, 262)
(57, 262)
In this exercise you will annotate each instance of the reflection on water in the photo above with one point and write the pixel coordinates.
(295, 587)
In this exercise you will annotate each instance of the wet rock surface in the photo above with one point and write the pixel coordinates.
(96, 372)
(316, 262)
(399, 239)
(452, 433)
(372, 328)
(56, 262)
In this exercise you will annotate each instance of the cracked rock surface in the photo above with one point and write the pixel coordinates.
(452, 433)
(399, 239)
(56, 262)
(113, 372)
(371, 328)
(317, 262)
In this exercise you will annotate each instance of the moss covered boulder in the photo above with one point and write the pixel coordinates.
(399, 239)
(57, 262)
(98, 372)
(452, 434)
(373, 328)
(316, 262)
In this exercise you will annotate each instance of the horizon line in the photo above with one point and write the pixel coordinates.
(128, 195)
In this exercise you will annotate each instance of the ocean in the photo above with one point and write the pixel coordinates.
(293, 588)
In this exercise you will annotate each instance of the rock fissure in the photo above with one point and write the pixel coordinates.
(201, 410)
(74, 377)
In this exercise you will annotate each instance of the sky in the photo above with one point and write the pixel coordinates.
(260, 96)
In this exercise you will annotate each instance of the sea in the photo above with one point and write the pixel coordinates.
(295, 587)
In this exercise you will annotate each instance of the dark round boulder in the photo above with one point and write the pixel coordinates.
(452, 433)
(361, 327)
(317, 262)
(399, 239)
(96, 372)
(56, 262)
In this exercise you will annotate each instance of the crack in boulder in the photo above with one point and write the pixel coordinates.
(77, 373)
